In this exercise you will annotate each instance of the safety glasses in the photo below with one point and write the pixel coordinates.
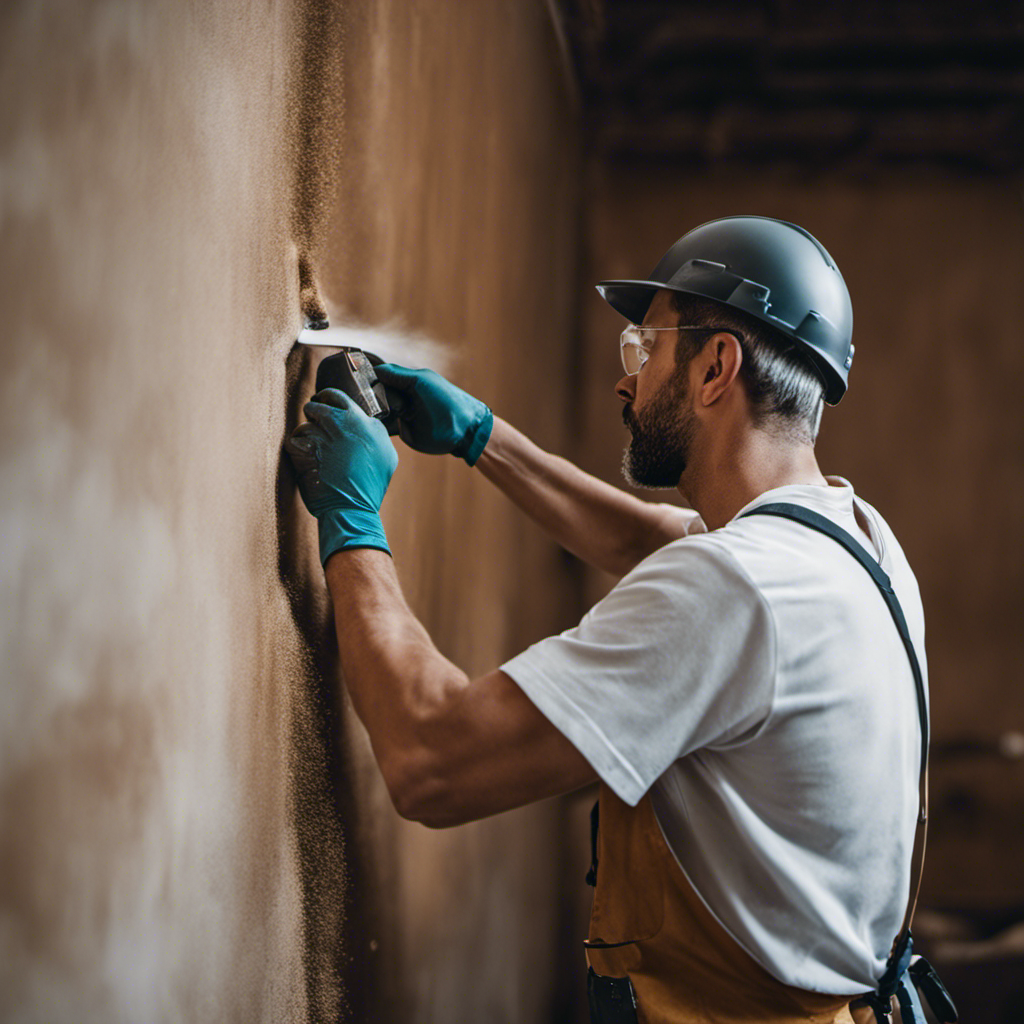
(636, 343)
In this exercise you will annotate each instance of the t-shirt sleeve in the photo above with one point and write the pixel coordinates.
(679, 656)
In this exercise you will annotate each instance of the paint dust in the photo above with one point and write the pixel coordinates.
(393, 343)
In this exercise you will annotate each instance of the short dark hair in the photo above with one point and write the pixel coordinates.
(786, 391)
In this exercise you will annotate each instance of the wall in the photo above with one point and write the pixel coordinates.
(192, 828)
(456, 220)
(929, 433)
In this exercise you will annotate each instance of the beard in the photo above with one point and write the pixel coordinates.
(663, 435)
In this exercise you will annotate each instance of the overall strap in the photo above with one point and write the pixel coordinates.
(787, 510)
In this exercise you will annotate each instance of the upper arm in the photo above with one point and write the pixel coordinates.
(489, 749)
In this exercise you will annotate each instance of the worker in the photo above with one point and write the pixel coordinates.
(742, 694)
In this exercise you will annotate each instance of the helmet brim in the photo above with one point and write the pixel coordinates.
(630, 298)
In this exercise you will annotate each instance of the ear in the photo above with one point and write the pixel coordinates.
(720, 364)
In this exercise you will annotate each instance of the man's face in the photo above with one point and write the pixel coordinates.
(663, 433)
(658, 415)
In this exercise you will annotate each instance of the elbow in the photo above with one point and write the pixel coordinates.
(627, 555)
(405, 789)
(644, 542)
(420, 790)
(424, 815)
(422, 801)
(421, 761)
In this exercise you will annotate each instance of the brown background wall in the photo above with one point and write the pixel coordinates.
(185, 835)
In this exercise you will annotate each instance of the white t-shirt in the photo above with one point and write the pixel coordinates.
(752, 680)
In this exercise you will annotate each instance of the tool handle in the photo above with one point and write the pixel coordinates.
(351, 371)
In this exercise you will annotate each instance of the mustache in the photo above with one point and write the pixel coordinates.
(627, 415)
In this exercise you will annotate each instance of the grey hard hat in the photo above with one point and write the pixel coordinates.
(771, 269)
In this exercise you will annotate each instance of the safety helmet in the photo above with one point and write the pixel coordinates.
(771, 269)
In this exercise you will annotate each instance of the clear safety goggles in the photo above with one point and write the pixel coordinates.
(636, 343)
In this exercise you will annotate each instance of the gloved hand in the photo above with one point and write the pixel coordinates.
(344, 461)
(434, 416)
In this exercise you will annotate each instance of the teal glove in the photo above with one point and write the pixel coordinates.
(434, 416)
(344, 461)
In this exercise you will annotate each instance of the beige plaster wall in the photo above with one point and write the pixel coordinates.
(191, 828)
(930, 433)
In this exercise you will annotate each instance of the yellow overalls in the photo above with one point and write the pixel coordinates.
(648, 923)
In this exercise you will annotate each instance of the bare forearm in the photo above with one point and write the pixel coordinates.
(395, 676)
(599, 523)
(450, 750)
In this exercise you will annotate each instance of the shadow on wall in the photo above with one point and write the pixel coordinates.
(342, 886)
(322, 788)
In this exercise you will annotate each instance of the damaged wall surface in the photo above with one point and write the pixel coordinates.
(192, 826)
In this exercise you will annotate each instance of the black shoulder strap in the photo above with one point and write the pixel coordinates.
(786, 510)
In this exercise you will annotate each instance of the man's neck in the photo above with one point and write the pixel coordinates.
(722, 480)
